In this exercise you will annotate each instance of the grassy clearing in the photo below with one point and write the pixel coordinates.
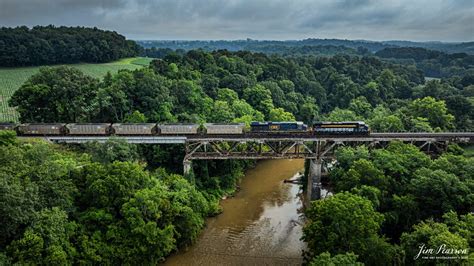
(12, 78)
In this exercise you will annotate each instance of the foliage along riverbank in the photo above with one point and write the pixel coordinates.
(61, 207)
(388, 202)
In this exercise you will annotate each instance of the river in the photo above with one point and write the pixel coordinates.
(261, 225)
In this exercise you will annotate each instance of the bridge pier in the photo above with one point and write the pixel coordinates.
(313, 190)
(187, 167)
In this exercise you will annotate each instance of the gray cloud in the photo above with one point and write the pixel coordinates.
(443, 20)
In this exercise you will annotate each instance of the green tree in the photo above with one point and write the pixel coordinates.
(112, 150)
(135, 117)
(7, 137)
(58, 94)
(341, 223)
(433, 110)
(383, 121)
(150, 234)
(371, 193)
(399, 161)
(221, 112)
(111, 104)
(439, 192)
(404, 212)
(429, 234)
(419, 124)
(227, 95)
(190, 208)
(47, 241)
(18, 203)
(371, 92)
(362, 172)
(278, 95)
(147, 92)
(259, 97)
(33, 176)
(385, 84)
(308, 112)
(461, 166)
(360, 106)
(278, 114)
(325, 259)
(190, 100)
(462, 109)
(339, 115)
(346, 156)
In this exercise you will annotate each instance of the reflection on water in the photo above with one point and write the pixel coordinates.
(261, 225)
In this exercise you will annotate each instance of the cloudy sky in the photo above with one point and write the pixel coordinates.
(421, 20)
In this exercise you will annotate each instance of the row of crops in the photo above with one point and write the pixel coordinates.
(12, 78)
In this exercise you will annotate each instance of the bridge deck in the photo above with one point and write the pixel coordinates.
(389, 136)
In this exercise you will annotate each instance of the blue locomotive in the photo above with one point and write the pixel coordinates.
(278, 127)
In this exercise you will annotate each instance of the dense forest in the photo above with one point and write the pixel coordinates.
(125, 203)
(433, 63)
(389, 201)
(60, 207)
(47, 45)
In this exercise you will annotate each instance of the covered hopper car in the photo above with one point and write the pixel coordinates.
(224, 129)
(7, 126)
(134, 129)
(35, 129)
(89, 129)
(178, 129)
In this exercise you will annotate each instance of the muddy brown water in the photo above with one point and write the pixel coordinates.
(261, 225)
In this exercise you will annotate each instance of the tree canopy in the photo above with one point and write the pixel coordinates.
(59, 207)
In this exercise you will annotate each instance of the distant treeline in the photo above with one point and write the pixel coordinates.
(433, 63)
(316, 50)
(22, 46)
(263, 45)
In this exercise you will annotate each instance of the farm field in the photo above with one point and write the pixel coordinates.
(12, 78)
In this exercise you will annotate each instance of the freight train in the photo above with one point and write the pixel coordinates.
(152, 129)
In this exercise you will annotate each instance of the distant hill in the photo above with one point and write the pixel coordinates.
(317, 50)
(269, 46)
(465, 47)
(48, 45)
(433, 63)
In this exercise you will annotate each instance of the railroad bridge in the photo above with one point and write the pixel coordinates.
(315, 148)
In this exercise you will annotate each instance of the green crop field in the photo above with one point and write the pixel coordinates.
(12, 78)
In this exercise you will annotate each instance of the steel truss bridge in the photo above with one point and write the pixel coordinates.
(315, 148)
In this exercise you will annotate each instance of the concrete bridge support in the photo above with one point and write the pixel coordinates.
(187, 167)
(313, 191)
